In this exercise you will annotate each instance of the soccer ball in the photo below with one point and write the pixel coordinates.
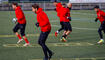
(14, 20)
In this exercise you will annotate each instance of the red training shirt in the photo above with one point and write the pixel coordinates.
(43, 20)
(58, 6)
(20, 15)
(64, 14)
(101, 15)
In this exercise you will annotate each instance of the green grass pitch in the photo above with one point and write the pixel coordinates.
(81, 44)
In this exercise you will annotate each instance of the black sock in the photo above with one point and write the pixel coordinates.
(64, 36)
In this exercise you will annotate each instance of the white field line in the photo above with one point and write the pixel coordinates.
(97, 58)
(77, 28)
(82, 13)
(74, 19)
(50, 34)
(26, 35)
(51, 44)
(71, 13)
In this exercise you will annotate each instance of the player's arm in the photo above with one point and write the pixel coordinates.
(68, 14)
(102, 13)
(69, 18)
(19, 15)
(63, 13)
(37, 24)
(96, 19)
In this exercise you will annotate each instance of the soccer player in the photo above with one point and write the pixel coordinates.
(101, 18)
(69, 6)
(58, 7)
(63, 13)
(44, 24)
(21, 24)
(66, 22)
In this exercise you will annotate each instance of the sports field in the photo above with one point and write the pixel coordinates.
(81, 44)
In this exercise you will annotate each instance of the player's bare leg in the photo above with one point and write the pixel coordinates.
(64, 32)
(68, 32)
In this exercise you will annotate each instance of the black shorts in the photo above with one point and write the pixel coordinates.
(21, 27)
(102, 27)
(62, 25)
(43, 36)
(67, 26)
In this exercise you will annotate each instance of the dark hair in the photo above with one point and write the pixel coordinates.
(35, 6)
(55, 1)
(64, 4)
(96, 7)
(14, 3)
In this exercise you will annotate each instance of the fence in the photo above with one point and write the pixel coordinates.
(49, 6)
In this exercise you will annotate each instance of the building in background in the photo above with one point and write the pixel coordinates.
(0, 1)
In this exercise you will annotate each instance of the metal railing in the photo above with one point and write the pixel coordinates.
(49, 6)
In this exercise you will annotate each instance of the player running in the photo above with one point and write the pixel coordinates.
(44, 24)
(21, 24)
(101, 18)
(66, 22)
(63, 13)
(58, 8)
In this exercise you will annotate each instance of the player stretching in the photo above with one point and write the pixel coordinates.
(101, 18)
(21, 23)
(43, 22)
